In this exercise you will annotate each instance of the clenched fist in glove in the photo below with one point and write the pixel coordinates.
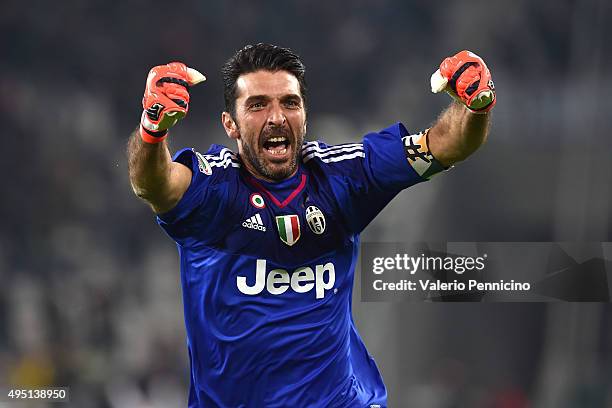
(166, 99)
(466, 78)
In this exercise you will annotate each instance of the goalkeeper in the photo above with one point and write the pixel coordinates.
(268, 235)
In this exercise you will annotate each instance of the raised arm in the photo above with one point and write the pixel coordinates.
(457, 133)
(464, 126)
(154, 177)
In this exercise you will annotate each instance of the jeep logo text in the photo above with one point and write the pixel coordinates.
(302, 280)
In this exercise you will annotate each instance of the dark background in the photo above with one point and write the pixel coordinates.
(90, 294)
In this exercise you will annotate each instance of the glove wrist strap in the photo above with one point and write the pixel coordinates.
(151, 137)
(484, 110)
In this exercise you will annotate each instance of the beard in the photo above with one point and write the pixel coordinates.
(272, 170)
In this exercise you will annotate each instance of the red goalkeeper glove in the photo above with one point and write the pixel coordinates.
(166, 99)
(466, 78)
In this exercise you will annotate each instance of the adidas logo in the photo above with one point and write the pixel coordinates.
(255, 222)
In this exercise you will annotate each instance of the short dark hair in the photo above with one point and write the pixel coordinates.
(257, 57)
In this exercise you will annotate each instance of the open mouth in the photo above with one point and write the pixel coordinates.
(276, 146)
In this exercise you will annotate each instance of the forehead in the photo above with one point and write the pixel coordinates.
(273, 84)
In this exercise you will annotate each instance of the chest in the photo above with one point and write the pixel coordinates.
(290, 226)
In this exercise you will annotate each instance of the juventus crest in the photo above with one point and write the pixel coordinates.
(315, 219)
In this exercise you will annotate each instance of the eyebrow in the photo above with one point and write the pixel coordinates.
(256, 98)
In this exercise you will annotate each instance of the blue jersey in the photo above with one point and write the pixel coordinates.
(267, 273)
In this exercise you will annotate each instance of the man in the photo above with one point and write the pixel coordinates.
(268, 238)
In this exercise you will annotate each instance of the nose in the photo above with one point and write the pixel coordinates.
(276, 116)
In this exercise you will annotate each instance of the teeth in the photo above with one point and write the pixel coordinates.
(278, 152)
(277, 139)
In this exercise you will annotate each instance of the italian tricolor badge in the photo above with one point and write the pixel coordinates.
(288, 228)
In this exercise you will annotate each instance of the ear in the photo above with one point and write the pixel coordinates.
(230, 126)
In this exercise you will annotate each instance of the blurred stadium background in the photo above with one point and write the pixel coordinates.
(90, 294)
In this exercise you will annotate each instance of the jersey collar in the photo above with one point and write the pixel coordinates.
(283, 192)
